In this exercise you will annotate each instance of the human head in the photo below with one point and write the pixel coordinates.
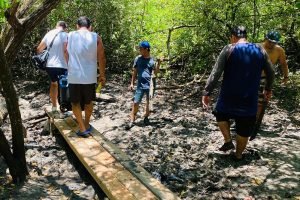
(84, 22)
(239, 32)
(145, 45)
(62, 24)
(273, 36)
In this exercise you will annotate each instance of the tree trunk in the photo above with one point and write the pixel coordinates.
(16, 168)
(11, 37)
(19, 171)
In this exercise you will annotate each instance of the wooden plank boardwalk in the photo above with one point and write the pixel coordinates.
(117, 175)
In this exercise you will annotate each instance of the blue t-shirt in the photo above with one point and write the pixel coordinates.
(242, 72)
(144, 68)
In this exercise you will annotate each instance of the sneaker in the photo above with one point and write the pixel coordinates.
(54, 108)
(227, 146)
(129, 126)
(146, 121)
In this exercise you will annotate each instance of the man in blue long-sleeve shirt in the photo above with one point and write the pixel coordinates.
(241, 63)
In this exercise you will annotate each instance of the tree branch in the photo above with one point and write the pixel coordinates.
(12, 42)
(10, 15)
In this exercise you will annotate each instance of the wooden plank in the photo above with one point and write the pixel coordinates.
(155, 186)
(113, 170)
(91, 157)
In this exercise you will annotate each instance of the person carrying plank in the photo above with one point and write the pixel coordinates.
(277, 55)
(241, 64)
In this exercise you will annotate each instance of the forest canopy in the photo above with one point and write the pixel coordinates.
(188, 32)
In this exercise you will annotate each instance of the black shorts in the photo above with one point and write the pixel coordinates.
(82, 93)
(244, 125)
(54, 73)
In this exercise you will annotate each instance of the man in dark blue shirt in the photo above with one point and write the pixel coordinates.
(143, 67)
(241, 63)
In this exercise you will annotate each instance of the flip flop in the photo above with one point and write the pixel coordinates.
(84, 134)
(90, 128)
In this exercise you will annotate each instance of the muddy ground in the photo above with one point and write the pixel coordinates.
(179, 147)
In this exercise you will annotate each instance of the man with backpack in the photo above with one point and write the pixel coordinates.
(241, 64)
(57, 61)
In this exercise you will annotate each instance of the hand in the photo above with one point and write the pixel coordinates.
(102, 80)
(205, 101)
(284, 81)
(267, 95)
(131, 87)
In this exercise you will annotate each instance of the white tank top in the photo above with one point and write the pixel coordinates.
(82, 49)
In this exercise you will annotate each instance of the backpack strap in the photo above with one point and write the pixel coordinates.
(53, 40)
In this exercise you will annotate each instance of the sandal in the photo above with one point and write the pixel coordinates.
(84, 134)
(90, 128)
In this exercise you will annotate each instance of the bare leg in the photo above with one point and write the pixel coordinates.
(147, 110)
(76, 108)
(88, 110)
(135, 108)
(241, 143)
(225, 130)
(259, 110)
(54, 93)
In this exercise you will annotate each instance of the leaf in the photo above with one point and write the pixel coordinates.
(257, 181)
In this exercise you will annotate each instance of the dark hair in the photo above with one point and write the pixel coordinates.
(84, 22)
(62, 24)
(239, 31)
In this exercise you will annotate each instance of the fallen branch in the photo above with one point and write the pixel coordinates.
(34, 122)
(36, 117)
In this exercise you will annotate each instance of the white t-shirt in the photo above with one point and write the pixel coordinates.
(82, 49)
(56, 57)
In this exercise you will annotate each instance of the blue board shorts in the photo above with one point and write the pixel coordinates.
(139, 93)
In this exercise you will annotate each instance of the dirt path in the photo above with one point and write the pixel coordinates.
(179, 148)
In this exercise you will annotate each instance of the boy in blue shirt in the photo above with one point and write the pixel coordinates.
(143, 67)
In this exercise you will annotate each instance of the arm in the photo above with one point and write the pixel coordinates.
(270, 75)
(283, 65)
(66, 54)
(215, 75)
(101, 60)
(157, 67)
(41, 47)
(133, 78)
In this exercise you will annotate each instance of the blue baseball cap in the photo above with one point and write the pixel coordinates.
(273, 36)
(144, 44)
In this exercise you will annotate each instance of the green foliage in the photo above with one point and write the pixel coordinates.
(204, 27)
(4, 4)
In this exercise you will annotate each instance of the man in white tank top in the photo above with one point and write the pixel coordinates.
(84, 48)
(57, 60)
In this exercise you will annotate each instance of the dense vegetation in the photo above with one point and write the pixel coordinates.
(190, 33)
